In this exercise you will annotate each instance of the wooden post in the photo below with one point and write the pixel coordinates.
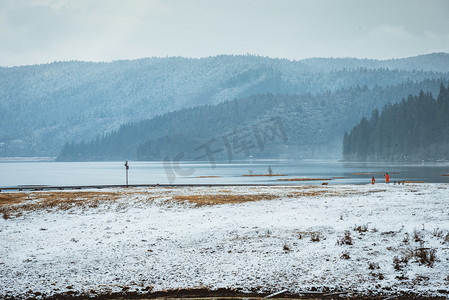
(127, 168)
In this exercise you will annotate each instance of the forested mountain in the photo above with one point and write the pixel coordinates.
(415, 129)
(268, 125)
(437, 62)
(44, 106)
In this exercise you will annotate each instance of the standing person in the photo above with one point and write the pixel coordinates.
(387, 178)
(373, 180)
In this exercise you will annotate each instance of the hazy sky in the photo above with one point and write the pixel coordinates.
(40, 31)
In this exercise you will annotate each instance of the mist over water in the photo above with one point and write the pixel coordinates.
(13, 174)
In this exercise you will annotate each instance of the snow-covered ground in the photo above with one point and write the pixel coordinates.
(145, 241)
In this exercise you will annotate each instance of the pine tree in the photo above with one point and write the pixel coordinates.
(414, 129)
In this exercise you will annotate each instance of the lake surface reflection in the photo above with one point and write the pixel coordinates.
(14, 173)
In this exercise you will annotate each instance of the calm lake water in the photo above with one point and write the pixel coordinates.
(14, 173)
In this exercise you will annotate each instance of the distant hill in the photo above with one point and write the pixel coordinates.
(44, 106)
(415, 129)
(262, 126)
(436, 62)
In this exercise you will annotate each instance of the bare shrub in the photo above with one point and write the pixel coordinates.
(5, 214)
(379, 275)
(346, 240)
(396, 264)
(425, 256)
(315, 237)
(361, 228)
(286, 247)
(406, 238)
(345, 255)
(401, 277)
(373, 266)
(400, 262)
(437, 232)
(418, 236)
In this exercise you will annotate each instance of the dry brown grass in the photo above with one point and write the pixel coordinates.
(201, 200)
(12, 198)
(303, 187)
(368, 173)
(373, 173)
(315, 191)
(304, 179)
(377, 191)
(312, 193)
(14, 204)
(444, 174)
(319, 191)
(256, 175)
(56, 199)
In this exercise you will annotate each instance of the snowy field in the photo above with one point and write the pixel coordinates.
(364, 239)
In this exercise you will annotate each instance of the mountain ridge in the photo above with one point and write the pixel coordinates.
(302, 126)
(433, 55)
(44, 106)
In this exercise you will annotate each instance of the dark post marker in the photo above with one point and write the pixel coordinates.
(127, 168)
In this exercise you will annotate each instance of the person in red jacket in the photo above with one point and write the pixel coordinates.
(373, 180)
(387, 178)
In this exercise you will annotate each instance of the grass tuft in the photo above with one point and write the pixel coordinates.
(418, 236)
(346, 240)
(406, 238)
(425, 256)
(361, 228)
(437, 233)
(5, 213)
(421, 255)
(373, 266)
(400, 262)
(315, 237)
(378, 275)
(345, 255)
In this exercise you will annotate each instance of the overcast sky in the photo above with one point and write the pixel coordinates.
(41, 31)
